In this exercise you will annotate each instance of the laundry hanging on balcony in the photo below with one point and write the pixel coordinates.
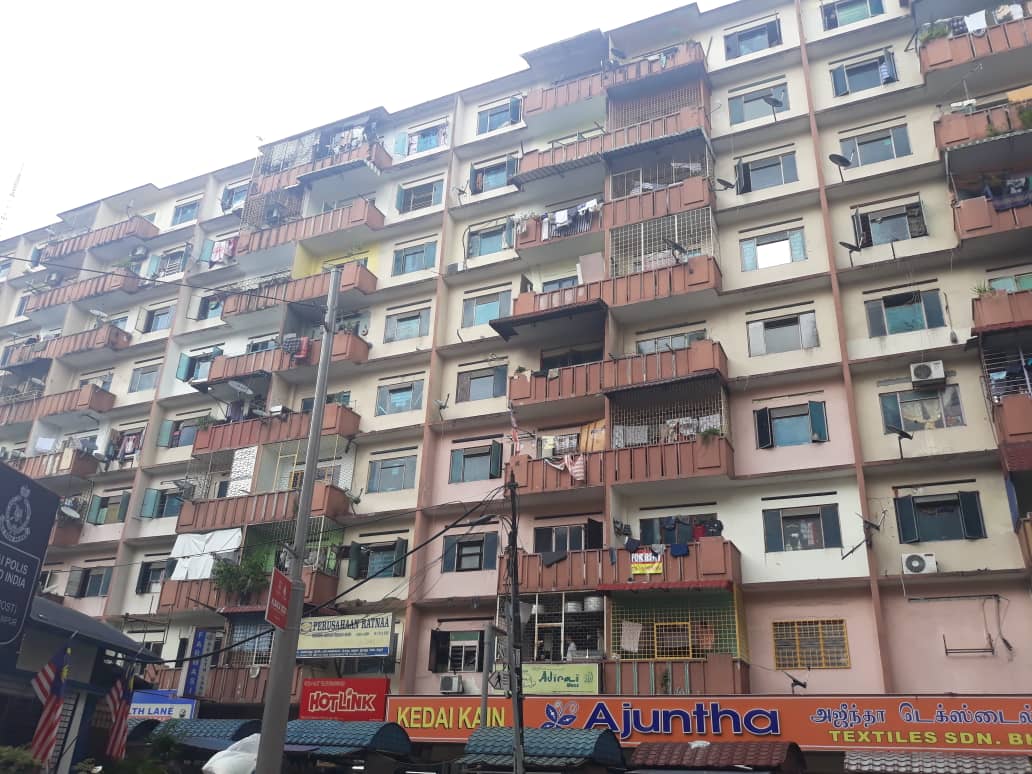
(1009, 192)
(572, 220)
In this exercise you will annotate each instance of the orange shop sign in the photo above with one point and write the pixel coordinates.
(983, 723)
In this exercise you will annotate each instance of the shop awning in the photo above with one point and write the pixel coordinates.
(864, 762)
(717, 756)
(342, 739)
(545, 748)
(66, 620)
(210, 734)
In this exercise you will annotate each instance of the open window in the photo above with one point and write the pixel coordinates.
(791, 425)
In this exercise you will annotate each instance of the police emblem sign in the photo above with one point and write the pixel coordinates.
(27, 513)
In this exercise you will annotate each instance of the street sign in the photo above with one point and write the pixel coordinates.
(198, 668)
(161, 705)
(279, 600)
(27, 513)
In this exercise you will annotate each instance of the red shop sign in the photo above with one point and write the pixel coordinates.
(349, 698)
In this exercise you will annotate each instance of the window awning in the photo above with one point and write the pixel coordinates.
(545, 748)
(864, 762)
(343, 739)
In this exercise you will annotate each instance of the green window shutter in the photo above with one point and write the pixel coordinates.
(818, 421)
(173, 505)
(501, 378)
(490, 550)
(400, 549)
(424, 322)
(764, 429)
(934, 317)
(773, 538)
(906, 520)
(797, 244)
(875, 319)
(93, 513)
(788, 168)
(207, 246)
(971, 515)
(399, 202)
(417, 394)
(891, 415)
(496, 460)
(123, 506)
(401, 144)
(482, 122)
(830, 526)
(455, 468)
(505, 303)
(382, 400)
(76, 578)
(399, 263)
(373, 484)
(391, 329)
(515, 109)
(429, 255)
(473, 248)
(149, 510)
(737, 107)
(449, 557)
(774, 33)
(410, 472)
(900, 141)
(165, 433)
(438, 191)
(185, 367)
(151, 269)
(355, 560)
(748, 255)
(838, 81)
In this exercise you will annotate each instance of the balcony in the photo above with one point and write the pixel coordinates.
(188, 595)
(262, 508)
(557, 98)
(958, 129)
(225, 367)
(538, 243)
(1000, 311)
(349, 349)
(66, 533)
(76, 406)
(977, 217)
(77, 349)
(60, 469)
(372, 159)
(712, 562)
(1012, 415)
(339, 229)
(122, 281)
(337, 420)
(1004, 50)
(235, 684)
(688, 54)
(560, 158)
(689, 194)
(356, 282)
(106, 242)
(718, 674)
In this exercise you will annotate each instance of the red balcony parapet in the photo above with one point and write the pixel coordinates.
(65, 533)
(547, 98)
(1012, 415)
(354, 277)
(105, 337)
(689, 194)
(262, 508)
(136, 226)
(530, 236)
(977, 217)
(337, 420)
(954, 129)
(230, 367)
(186, 595)
(702, 358)
(718, 674)
(119, 279)
(942, 53)
(998, 310)
(375, 155)
(347, 348)
(69, 462)
(86, 398)
(356, 213)
(236, 684)
(688, 53)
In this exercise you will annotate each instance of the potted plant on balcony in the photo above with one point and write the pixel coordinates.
(243, 579)
(204, 422)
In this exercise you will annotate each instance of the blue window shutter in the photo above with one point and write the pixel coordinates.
(774, 33)
(165, 434)
(890, 64)
(206, 249)
(473, 187)
(933, 309)
(971, 515)
(400, 549)
(838, 81)
(417, 394)
(490, 550)
(501, 378)
(93, 513)
(509, 233)
(150, 270)
(399, 263)
(1012, 501)
(400, 144)
(737, 110)
(512, 165)
(424, 322)
(468, 309)
(830, 526)
(382, 401)
(818, 421)
(482, 121)
(900, 141)
(788, 168)
(473, 249)
(390, 332)
(173, 505)
(773, 538)
(438, 193)
(496, 460)
(797, 244)
(764, 429)
(123, 506)
(150, 504)
(429, 255)
(515, 109)
(748, 255)
(906, 520)
(505, 303)
(448, 558)
(455, 468)
(410, 472)
(400, 200)
(876, 7)
(731, 46)
(830, 14)
(355, 560)
(891, 416)
(373, 484)
(875, 318)
(184, 368)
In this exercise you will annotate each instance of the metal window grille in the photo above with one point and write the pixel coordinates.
(655, 105)
(271, 209)
(289, 153)
(817, 644)
(668, 413)
(664, 172)
(269, 542)
(553, 620)
(571, 139)
(256, 652)
(697, 624)
(1004, 370)
(662, 242)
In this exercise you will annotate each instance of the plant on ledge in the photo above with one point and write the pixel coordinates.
(248, 577)
(709, 433)
(204, 422)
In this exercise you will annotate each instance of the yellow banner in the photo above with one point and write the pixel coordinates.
(644, 561)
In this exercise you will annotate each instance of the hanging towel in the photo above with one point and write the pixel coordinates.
(658, 548)
(669, 524)
(630, 635)
(544, 227)
(976, 22)
(576, 466)
(632, 544)
(679, 549)
(957, 26)
(561, 217)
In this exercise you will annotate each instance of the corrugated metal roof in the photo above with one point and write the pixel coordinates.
(211, 728)
(355, 736)
(863, 762)
(504, 762)
(598, 746)
(715, 755)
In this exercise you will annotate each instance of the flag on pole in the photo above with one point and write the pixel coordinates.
(118, 699)
(48, 685)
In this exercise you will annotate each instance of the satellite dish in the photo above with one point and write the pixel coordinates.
(70, 512)
(240, 387)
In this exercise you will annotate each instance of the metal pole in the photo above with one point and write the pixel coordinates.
(489, 653)
(284, 643)
(515, 637)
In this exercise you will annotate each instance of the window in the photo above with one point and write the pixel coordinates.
(385, 560)
(393, 399)
(161, 503)
(557, 445)
(775, 249)
(247, 646)
(668, 342)
(144, 378)
(483, 309)
(861, 76)
(671, 530)
(811, 644)
(904, 312)
(895, 224)
(750, 106)
(560, 358)
(939, 517)
(171, 263)
(91, 582)
(407, 325)
(415, 258)
(491, 175)
(914, 410)
(498, 116)
(107, 509)
(158, 319)
(149, 217)
(36, 256)
(195, 367)
(184, 213)
(791, 425)
(456, 651)
(876, 146)
(491, 239)
(573, 537)
(424, 139)
(392, 475)
(842, 12)
(753, 39)
(19, 309)
(476, 463)
(340, 398)
(802, 529)
(149, 578)
(549, 286)
(1012, 283)
(419, 197)
(176, 433)
(470, 553)
(784, 334)
(5, 269)
(765, 173)
(122, 323)
(233, 197)
(482, 384)
(261, 345)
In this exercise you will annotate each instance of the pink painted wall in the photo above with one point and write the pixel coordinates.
(440, 451)
(432, 583)
(423, 621)
(864, 672)
(750, 460)
(915, 630)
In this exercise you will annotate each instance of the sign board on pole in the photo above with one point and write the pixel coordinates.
(197, 668)
(27, 513)
(161, 705)
(279, 600)
(351, 698)
(343, 636)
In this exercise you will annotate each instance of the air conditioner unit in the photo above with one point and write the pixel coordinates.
(919, 564)
(451, 684)
(928, 374)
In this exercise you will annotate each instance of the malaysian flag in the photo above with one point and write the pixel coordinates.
(49, 684)
(118, 700)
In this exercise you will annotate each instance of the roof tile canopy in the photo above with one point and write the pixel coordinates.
(716, 755)
(551, 748)
(934, 763)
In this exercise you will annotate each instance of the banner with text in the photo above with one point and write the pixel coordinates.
(974, 723)
(349, 698)
(559, 679)
(343, 636)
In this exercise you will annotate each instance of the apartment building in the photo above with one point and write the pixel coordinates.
(740, 298)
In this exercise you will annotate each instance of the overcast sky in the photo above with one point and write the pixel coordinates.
(103, 96)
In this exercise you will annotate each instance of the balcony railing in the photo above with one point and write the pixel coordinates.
(977, 217)
(1012, 415)
(996, 311)
(107, 337)
(354, 278)
(719, 674)
(357, 214)
(374, 155)
(262, 508)
(134, 227)
(945, 52)
(712, 562)
(688, 194)
(534, 234)
(86, 398)
(118, 280)
(69, 462)
(186, 595)
(688, 53)
(702, 358)
(337, 420)
(548, 98)
(961, 128)
(235, 684)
